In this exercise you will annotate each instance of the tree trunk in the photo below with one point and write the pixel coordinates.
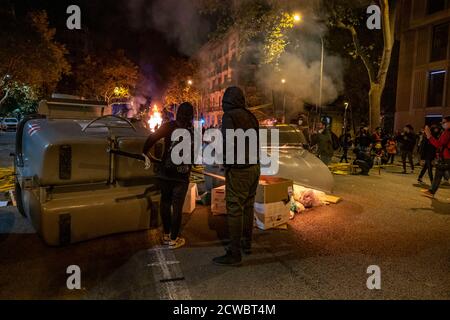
(375, 105)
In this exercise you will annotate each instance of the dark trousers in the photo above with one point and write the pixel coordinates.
(241, 185)
(391, 158)
(407, 155)
(363, 165)
(173, 194)
(345, 156)
(438, 179)
(428, 166)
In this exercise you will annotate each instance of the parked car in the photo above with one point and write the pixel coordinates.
(9, 124)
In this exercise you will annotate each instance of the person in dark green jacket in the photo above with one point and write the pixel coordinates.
(241, 178)
(324, 142)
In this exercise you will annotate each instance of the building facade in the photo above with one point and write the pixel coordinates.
(223, 63)
(423, 88)
(217, 69)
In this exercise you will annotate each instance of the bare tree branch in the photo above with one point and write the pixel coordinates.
(358, 49)
(4, 97)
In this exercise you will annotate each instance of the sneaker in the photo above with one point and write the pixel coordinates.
(229, 260)
(166, 239)
(178, 243)
(420, 181)
(428, 194)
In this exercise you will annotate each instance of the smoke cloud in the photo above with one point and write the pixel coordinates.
(300, 67)
(178, 20)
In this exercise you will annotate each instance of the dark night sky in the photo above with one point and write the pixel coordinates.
(109, 26)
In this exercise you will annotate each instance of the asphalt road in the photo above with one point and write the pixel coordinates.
(324, 254)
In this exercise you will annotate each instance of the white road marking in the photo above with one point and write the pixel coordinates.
(167, 268)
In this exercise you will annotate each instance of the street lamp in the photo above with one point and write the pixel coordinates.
(297, 17)
(283, 82)
(346, 105)
(190, 83)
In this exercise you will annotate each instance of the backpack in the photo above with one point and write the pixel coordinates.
(335, 141)
(167, 167)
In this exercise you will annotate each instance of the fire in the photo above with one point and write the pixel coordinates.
(155, 120)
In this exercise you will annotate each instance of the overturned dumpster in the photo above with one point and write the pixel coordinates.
(68, 183)
(295, 162)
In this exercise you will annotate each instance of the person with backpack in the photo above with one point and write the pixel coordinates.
(443, 164)
(173, 179)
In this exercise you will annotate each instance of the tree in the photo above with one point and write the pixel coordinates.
(30, 56)
(375, 56)
(183, 85)
(106, 77)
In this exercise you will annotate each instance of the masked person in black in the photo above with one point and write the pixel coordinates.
(407, 141)
(241, 178)
(173, 179)
(428, 154)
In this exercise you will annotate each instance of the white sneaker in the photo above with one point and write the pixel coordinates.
(178, 243)
(166, 239)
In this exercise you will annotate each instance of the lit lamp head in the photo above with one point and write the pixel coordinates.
(283, 81)
(297, 17)
(189, 82)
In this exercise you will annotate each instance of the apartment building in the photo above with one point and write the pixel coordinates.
(423, 89)
(223, 63)
(217, 60)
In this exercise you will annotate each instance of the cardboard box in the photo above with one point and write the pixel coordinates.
(271, 215)
(218, 203)
(190, 200)
(273, 189)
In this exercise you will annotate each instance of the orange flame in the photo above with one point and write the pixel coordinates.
(155, 120)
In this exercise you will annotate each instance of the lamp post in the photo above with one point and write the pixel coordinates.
(322, 58)
(283, 82)
(298, 19)
(190, 83)
(346, 104)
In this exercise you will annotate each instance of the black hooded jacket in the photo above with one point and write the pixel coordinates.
(185, 116)
(236, 116)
